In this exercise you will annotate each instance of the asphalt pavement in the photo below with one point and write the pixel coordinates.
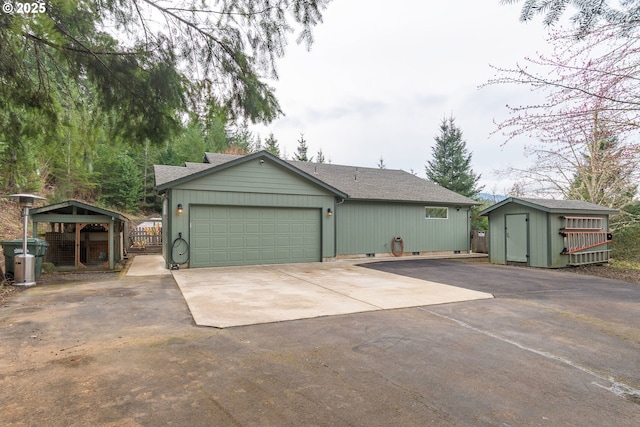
(551, 349)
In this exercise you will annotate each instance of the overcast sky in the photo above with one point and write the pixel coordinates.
(382, 75)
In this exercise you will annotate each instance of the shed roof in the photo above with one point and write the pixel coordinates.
(353, 182)
(67, 207)
(553, 206)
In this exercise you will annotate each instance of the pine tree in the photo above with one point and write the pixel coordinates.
(381, 164)
(301, 151)
(450, 166)
(271, 145)
(320, 156)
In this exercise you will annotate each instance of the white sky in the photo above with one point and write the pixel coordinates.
(382, 75)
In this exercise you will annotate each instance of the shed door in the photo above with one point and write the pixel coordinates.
(517, 237)
(240, 235)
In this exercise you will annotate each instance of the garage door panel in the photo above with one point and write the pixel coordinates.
(252, 241)
(235, 228)
(216, 227)
(297, 228)
(282, 228)
(268, 228)
(233, 235)
(267, 241)
(252, 228)
(282, 241)
(202, 228)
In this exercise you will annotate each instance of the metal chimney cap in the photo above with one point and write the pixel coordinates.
(25, 200)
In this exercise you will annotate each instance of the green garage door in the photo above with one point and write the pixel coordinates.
(238, 235)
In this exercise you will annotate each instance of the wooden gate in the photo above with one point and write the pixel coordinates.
(479, 242)
(146, 236)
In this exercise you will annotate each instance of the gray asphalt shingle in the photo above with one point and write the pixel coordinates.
(358, 182)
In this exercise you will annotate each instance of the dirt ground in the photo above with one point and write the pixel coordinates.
(624, 274)
(56, 278)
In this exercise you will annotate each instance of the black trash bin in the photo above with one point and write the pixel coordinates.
(35, 247)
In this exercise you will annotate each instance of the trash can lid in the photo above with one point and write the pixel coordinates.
(31, 240)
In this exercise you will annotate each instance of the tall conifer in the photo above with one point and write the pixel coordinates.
(450, 166)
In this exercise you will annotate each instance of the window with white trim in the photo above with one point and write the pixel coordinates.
(436, 212)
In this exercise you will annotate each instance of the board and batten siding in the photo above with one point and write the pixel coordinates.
(255, 177)
(253, 184)
(545, 243)
(368, 227)
(538, 235)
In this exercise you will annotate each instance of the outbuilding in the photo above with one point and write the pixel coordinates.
(81, 235)
(548, 233)
(260, 209)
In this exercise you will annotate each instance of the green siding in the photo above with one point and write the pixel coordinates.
(364, 227)
(255, 177)
(537, 237)
(189, 198)
(545, 242)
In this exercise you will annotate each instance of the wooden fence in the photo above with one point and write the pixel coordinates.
(480, 242)
(146, 235)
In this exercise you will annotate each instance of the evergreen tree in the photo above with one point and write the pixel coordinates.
(381, 164)
(301, 151)
(450, 166)
(271, 145)
(320, 156)
(120, 177)
(241, 140)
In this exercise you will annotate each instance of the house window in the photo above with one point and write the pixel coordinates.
(435, 212)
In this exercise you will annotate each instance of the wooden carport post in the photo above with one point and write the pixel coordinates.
(111, 257)
(77, 251)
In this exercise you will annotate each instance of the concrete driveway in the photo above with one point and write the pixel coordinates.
(235, 296)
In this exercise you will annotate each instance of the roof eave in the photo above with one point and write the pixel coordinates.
(68, 203)
(416, 202)
(545, 208)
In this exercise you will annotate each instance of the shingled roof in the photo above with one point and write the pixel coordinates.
(357, 182)
(554, 206)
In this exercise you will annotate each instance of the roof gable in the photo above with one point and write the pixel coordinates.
(346, 181)
(171, 176)
(81, 208)
(553, 206)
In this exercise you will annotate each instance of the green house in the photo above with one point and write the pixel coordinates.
(259, 209)
(548, 233)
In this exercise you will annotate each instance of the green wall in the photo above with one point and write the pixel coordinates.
(248, 184)
(369, 227)
(538, 235)
(545, 242)
(356, 228)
